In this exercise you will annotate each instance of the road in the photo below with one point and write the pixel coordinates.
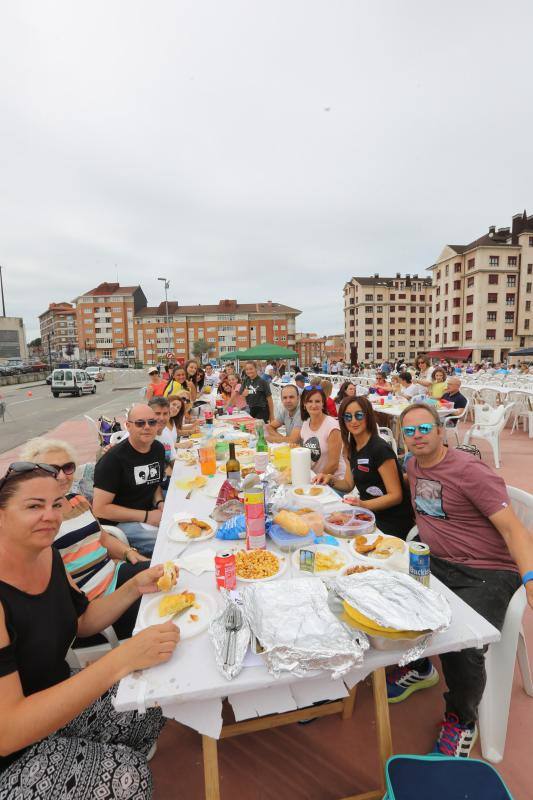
(33, 415)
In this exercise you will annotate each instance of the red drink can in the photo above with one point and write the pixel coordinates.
(225, 571)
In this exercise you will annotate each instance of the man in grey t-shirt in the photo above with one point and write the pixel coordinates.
(289, 417)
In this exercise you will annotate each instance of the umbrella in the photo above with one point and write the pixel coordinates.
(524, 351)
(261, 352)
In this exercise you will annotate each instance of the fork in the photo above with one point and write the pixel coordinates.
(237, 625)
(229, 623)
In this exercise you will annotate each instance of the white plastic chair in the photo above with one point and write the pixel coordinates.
(118, 436)
(488, 425)
(522, 410)
(451, 423)
(387, 435)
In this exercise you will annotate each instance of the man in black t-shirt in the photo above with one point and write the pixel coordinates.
(127, 480)
(453, 395)
(257, 393)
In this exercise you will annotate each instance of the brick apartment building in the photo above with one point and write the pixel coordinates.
(105, 321)
(226, 327)
(59, 323)
(387, 318)
(483, 293)
(312, 348)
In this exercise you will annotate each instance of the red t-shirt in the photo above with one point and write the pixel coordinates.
(331, 407)
(452, 502)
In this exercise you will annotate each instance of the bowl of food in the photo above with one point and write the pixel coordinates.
(346, 523)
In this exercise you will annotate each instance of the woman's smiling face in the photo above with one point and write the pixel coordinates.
(355, 426)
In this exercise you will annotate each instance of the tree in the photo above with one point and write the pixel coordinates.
(35, 342)
(201, 348)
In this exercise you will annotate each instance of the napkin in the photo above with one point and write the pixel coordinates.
(204, 561)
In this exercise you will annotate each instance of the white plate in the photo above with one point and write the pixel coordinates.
(326, 496)
(396, 560)
(213, 486)
(175, 533)
(282, 567)
(327, 549)
(188, 628)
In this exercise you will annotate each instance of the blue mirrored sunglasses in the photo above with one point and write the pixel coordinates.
(424, 428)
(359, 415)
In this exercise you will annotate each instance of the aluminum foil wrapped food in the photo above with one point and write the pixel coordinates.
(230, 646)
(297, 630)
(394, 600)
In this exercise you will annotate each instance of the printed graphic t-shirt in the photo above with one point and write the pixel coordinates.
(131, 476)
(258, 392)
(452, 503)
(317, 442)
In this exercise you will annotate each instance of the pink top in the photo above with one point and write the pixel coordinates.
(237, 400)
(452, 503)
(317, 442)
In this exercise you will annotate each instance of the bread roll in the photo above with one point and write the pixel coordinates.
(292, 523)
(168, 578)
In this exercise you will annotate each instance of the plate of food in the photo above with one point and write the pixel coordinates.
(186, 457)
(186, 528)
(258, 565)
(378, 547)
(349, 522)
(323, 559)
(320, 494)
(190, 611)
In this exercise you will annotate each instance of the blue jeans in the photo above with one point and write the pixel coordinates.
(140, 536)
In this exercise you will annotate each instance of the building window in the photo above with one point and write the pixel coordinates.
(528, 288)
(471, 263)
(445, 288)
(490, 333)
(379, 297)
(492, 316)
(469, 316)
(456, 302)
(437, 307)
(511, 281)
(437, 323)
(438, 274)
(508, 334)
(468, 334)
(530, 269)
(446, 269)
(528, 305)
(446, 305)
(402, 296)
(493, 279)
(492, 297)
(368, 309)
(531, 241)
(455, 336)
(509, 298)
(470, 299)
(392, 296)
(470, 282)
(512, 261)
(456, 319)
(457, 267)
(526, 324)
(369, 297)
(494, 261)
(456, 285)
(437, 337)
(509, 316)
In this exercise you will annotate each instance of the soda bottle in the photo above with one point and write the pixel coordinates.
(261, 449)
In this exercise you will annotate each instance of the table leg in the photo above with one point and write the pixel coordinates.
(381, 707)
(348, 704)
(212, 786)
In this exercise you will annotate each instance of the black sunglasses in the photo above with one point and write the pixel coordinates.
(68, 469)
(142, 423)
(21, 467)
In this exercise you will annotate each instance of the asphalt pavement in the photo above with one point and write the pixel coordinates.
(31, 410)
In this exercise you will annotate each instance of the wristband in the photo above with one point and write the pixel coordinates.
(146, 516)
(527, 577)
(159, 501)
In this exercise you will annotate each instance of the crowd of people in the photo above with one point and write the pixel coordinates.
(67, 573)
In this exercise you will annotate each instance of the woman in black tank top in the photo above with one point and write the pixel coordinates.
(53, 724)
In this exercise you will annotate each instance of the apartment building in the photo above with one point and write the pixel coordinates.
(105, 320)
(312, 348)
(12, 339)
(59, 332)
(483, 292)
(227, 326)
(387, 318)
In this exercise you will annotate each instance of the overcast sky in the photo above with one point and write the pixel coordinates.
(254, 150)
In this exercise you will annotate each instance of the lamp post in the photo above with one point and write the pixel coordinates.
(48, 336)
(166, 283)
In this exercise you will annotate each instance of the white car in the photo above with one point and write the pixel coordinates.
(95, 373)
(72, 381)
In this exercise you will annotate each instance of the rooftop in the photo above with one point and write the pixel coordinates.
(110, 289)
(502, 237)
(381, 280)
(223, 307)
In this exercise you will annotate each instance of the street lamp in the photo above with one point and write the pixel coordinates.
(167, 285)
(48, 336)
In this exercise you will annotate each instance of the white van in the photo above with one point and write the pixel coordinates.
(72, 381)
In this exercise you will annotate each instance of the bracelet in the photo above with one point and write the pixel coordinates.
(157, 504)
(146, 516)
(129, 550)
(527, 577)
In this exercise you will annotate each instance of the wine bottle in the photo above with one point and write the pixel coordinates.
(233, 467)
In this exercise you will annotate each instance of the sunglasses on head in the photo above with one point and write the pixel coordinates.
(424, 428)
(20, 467)
(142, 423)
(68, 469)
(359, 415)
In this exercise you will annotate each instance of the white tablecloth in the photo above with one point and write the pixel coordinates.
(189, 687)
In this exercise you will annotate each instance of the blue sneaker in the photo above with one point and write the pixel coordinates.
(403, 681)
(455, 739)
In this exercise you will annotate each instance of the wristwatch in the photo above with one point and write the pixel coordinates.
(527, 577)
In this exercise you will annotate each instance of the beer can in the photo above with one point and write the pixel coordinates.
(254, 513)
(225, 571)
(419, 562)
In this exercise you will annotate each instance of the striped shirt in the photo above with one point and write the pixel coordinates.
(85, 558)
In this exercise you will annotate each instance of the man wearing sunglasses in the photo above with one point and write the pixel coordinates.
(479, 549)
(127, 481)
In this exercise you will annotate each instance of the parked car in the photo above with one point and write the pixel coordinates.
(72, 381)
(5, 372)
(96, 373)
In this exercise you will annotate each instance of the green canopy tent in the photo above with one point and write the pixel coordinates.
(261, 352)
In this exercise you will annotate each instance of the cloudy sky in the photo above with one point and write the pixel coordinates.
(256, 150)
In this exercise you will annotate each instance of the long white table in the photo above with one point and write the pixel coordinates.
(190, 689)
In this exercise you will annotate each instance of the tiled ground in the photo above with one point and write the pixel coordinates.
(329, 758)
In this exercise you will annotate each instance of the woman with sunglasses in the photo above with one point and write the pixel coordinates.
(372, 467)
(97, 561)
(60, 734)
(320, 434)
